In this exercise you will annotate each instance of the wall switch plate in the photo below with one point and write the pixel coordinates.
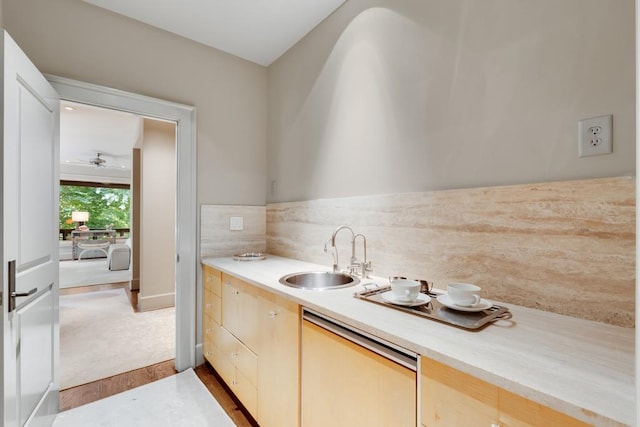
(595, 136)
(236, 223)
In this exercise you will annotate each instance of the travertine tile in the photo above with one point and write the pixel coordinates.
(565, 247)
(217, 240)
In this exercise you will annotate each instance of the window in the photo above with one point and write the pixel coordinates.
(108, 205)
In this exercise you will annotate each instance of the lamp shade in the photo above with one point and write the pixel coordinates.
(77, 216)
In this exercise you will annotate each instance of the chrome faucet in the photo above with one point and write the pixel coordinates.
(336, 265)
(365, 266)
(354, 267)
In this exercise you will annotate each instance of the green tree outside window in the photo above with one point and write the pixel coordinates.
(106, 206)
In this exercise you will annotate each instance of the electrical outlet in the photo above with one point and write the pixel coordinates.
(595, 136)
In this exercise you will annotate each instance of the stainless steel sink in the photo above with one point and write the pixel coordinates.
(319, 280)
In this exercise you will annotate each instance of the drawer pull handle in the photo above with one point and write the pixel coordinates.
(273, 314)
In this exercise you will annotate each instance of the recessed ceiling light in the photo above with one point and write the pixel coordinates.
(69, 108)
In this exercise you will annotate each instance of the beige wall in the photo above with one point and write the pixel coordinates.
(392, 96)
(74, 39)
(157, 215)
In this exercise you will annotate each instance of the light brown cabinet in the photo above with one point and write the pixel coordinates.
(278, 362)
(251, 338)
(238, 367)
(344, 384)
(211, 312)
(240, 310)
(451, 398)
(289, 377)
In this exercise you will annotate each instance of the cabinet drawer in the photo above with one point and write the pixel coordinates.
(226, 369)
(239, 356)
(240, 311)
(212, 306)
(212, 280)
(246, 392)
(211, 341)
(210, 352)
(211, 330)
(244, 389)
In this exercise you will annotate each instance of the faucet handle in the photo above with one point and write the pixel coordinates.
(354, 268)
(366, 269)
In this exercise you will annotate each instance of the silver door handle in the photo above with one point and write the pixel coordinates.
(24, 294)
(12, 287)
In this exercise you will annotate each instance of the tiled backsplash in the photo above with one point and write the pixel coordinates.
(216, 240)
(565, 247)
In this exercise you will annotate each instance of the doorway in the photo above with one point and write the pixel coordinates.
(128, 165)
(186, 249)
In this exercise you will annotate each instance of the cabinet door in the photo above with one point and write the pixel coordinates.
(278, 367)
(451, 398)
(344, 384)
(240, 310)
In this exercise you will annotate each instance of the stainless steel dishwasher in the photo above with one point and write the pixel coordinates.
(349, 377)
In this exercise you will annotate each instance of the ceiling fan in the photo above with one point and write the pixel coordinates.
(98, 161)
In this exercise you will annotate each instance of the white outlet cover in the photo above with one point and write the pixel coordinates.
(236, 223)
(595, 136)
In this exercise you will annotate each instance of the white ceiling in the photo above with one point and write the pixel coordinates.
(257, 30)
(86, 131)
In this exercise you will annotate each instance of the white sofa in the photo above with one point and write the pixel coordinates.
(119, 256)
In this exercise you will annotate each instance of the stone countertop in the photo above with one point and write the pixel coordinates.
(582, 368)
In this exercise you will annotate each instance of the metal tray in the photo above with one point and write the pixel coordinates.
(249, 256)
(436, 311)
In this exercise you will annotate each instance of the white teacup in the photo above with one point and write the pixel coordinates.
(405, 290)
(464, 294)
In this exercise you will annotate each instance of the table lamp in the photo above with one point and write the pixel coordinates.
(79, 218)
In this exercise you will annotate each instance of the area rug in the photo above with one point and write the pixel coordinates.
(179, 400)
(101, 336)
(89, 272)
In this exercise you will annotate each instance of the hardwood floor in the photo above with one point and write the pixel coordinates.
(225, 398)
(87, 393)
(96, 390)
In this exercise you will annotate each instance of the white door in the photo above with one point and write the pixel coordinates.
(29, 242)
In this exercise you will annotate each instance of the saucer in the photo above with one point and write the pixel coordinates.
(446, 301)
(421, 300)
